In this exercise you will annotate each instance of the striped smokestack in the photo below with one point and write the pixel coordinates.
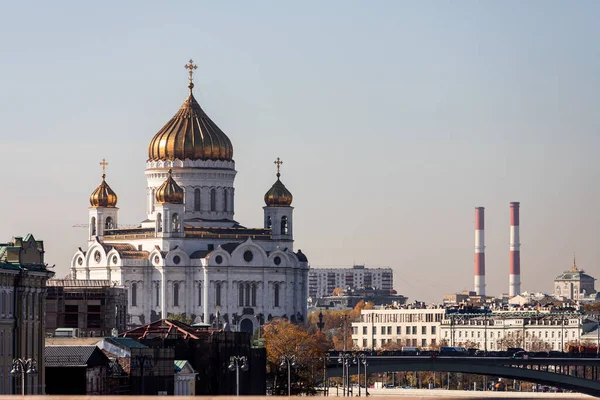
(514, 280)
(479, 252)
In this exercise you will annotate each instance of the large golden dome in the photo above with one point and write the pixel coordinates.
(190, 134)
(103, 196)
(169, 192)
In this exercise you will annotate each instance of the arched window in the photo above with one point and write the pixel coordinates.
(109, 223)
(157, 294)
(175, 223)
(213, 200)
(159, 222)
(199, 293)
(241, 294)
(254, 295)
(218, 294)
(284, 225)
(225, 192)
(93, 226)
(197, 203)
(269, 222)
(247, 294)
(3, 304)
(176, 294)
(276, 295)
(134, 294)
(152, 200)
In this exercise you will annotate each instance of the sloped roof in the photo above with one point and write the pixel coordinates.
(73, 356)
(127, 343)
(166, 329)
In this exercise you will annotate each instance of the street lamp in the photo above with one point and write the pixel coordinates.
(141, 362)
(22, 366)
(361, 358)
(325, 360)
(290, 361)
(235, 363)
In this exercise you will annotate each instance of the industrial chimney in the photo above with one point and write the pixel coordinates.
(514, 280)
(479, 252)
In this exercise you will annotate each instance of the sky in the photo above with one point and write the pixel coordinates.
(394, 119)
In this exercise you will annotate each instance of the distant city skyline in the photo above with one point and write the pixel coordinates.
(394, 121)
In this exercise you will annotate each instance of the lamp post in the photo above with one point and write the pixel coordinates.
(235, 363)
(362, 359)
(22, 366)
(344, 359)
(142, 361)
(325, 360)
(289, 361)
(598, 335)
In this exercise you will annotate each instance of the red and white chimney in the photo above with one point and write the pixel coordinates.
(514, 280)
(479, 252)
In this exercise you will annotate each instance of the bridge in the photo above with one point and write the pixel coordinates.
(576, 374)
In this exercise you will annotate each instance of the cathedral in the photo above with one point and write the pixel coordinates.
(189, 256)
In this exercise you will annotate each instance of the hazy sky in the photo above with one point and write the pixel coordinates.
(394, 120)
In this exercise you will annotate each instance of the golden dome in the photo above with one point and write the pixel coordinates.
(169, 192)
(190, 134)
(103, 196)
(278, 195)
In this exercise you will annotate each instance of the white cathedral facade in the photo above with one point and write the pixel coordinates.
(189, 256)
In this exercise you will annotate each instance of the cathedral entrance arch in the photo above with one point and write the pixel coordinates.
(246, 325)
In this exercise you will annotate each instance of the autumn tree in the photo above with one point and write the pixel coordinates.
(180, 318)
(285, 340)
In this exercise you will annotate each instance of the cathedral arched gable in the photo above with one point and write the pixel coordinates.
(153, 258)
(184, 258)
(111, 255)
(212, 258)
(94, 249)
(259, 256)
(284, 257)
(75, 260)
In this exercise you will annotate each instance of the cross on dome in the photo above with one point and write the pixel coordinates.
(103, 163)
(278, 162)
(191, 67)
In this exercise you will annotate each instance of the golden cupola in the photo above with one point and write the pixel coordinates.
(190, 134)
(169, 192)
(103, 196)
(278, 195)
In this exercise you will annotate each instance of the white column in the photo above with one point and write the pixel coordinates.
(206, 319)
(163, 293)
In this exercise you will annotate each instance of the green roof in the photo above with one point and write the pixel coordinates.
(179, 364)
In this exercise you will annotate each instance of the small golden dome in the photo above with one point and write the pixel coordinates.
(278, 195)
(169, 192)
(103, 196)
(190, 134)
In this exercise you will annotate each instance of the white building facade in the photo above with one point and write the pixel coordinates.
(414, 327)
(190, 256)
(539, 330)
(322, 281)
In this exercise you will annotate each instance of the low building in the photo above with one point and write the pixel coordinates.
(93, 307)
(323, 281)
(401, 326)
(23, 277)
(185, 378)
(76, 370)
(348, 299)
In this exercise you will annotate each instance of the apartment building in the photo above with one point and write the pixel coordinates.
(322, 281)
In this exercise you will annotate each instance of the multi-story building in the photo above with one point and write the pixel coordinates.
(23, 276)
(532, 330)
(323, 281)
(574, 284)
(492, 330)
(418, 327)
(94, 307)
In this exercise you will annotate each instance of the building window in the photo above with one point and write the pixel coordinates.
(109, 223)
(433, 330)
(175, 223)
(134, 295)
(423, 330)
(254, 295)
(414, 330)
(247, 294)
(365, 343)
(176, 294)
(398, 330)
(93, 226)
(364, 330)
(433, 342)
(159, 222)
(408, 330)
(276, 295)
(218, 294)
(197, 200)
(213, 200)
(240, 294)
(423, 342)
(374, 330)
(225, 200)
(199, 293)
(284, 225)
(158, 294)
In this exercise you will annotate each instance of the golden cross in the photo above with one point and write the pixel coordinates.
(191, 67)
(278, 162)
(104, 164)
